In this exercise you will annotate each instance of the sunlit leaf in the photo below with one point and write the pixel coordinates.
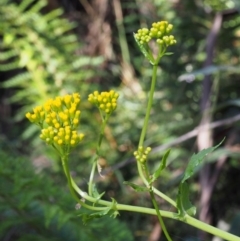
(183, 204)
(197, 160)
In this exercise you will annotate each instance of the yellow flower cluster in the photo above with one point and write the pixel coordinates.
(159, 31)
(59, 119)
(105, 101)
(143, 35)
(142, 153)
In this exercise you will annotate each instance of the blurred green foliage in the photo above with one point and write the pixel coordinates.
(43, 48)
(43, 54)
(35, 207)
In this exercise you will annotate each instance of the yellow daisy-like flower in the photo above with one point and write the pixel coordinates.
(59, 118)
(105, 101)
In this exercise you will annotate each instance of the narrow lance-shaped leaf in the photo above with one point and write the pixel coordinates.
(144, 51)
(162, 166)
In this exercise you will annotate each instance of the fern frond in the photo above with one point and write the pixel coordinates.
(45, 47)
(37, 6)
(53, 15)
(9, 66)
(8, 54)
(18, 80)
(24, 5)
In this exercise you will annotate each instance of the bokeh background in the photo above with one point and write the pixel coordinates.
(55, 47)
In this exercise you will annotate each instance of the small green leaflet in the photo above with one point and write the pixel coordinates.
(183, 204)
(196, 160)
(136, 187)
(89, 217)
(110, 211)
(96, 194)
(144, 51)
(162, 165)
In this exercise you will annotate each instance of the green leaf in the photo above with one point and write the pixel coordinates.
(50, 214)
(96, 193)
(144, 51)
(89, 217)
(136, 187)
(6, 55)
(162, 165)
(110, 211)
(16, 81)
(196, 160)
(168, 53)
(183, 203)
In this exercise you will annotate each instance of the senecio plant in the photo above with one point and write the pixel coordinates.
(58, 120)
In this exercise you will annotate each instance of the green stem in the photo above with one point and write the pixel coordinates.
(154, 202)
(143, 133)
(164, 197)
(150, 100)
(159, 216)
(72, 191)
(94, 165)
(210, 229)
(187, 219)
(142, 137)
(90, 183)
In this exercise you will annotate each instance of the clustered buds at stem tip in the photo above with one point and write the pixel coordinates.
(105, 101)
(159, 31)
(142, 153)
(59, 118)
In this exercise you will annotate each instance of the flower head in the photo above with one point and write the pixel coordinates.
(160, 32)
(143, 35)
(58, 119)
(105, 101)
(142, 153)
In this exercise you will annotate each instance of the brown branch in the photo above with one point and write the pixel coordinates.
(195, 132)
(204, 138)
(179, 140)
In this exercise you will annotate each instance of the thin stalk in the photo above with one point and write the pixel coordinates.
(146, 119)
(159, 216)
(72, 191)
(143, 133)
(164, 197)
(187, 219)
(150, 100)
(90, 183)
(142, 137)
(154, 202)
(210, 229)
(94, 165)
